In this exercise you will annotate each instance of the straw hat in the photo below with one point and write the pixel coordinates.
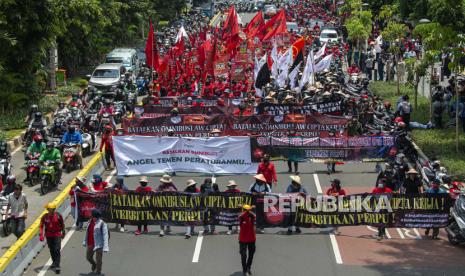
(260, 177)
(144, 179)
(190, 182)
(231, 183)
(215, 130)
(289, 97)
(326, 94)
(412, 171)
(296, 179)
(166, 179)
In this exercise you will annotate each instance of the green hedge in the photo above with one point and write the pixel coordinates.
(435, 143)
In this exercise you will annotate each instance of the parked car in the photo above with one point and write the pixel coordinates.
(127, 56)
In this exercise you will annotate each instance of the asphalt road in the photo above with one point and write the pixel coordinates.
(314, 252)
(35, 199)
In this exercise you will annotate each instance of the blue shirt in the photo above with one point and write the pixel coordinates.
(75, 138)
(435, 191)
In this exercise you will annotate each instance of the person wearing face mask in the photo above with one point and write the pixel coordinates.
(260, 188)
(143, 189)
(74, 137)
(381, 189)
(434, 189)
(389, 177)
(191, 187)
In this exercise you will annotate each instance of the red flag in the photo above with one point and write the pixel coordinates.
(151, 51)
(276, 25)
(231, 26)
(297, 46)
(255, 25)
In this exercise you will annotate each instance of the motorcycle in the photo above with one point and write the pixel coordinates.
(70, 161)
(456, 228)
(59, 126)
(119, 111)
(105, 120)
(5, 213)
(131, 101)
(48, 177)
(33, 170)
(88, 144)
(141, 83)
(5, 169)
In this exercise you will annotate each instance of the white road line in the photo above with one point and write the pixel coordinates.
(16, 150)
(387, 234)
(108, 179)
(317, 183)
(337, 253)
(400, 233)
(418, 233)
(49, 262)
(198, 247)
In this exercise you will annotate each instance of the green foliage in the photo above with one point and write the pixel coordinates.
(435, 143)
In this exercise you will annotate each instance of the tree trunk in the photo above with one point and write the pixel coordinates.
(431, 92)
(398, 74)
(417, 80)
(456, 114)
(52, 66)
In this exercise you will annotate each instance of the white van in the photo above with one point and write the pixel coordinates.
(127, 56)
(329, 35)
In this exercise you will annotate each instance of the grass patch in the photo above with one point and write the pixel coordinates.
(10, 134)
(435, 143)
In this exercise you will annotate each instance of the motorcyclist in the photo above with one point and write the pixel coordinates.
(62, 110)
(74, 137)
(9, 185)
(107, 108)
(38, 122)
(52, 154)
(36, 148)
(34, 108)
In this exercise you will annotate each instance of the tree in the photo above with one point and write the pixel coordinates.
(394, 32)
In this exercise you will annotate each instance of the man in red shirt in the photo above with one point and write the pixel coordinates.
(247, 238)
(143, 189)
(107, 143)
(381, 189)
(80, 186)
(268, 170)
(54, 228)
(98, 185)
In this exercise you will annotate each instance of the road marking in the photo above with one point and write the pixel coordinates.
(16, 150)
(63, 244)
(108, 179)
(198, 246)
(400, 233)
(418, 233)
(317, 183)
(337, 253)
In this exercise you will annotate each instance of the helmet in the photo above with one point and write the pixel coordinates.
(11, 179)
(51, 205)
(446, 179)
(61, 103)
(71, 128)
(402, 125)
(50, 144)
(81, 179)
(38, 115)
(37, 138)
(398, 120)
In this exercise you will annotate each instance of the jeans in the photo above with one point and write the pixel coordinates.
(189, 230)
(246, 260)
(209, 228)
(54, 244)
(296, 165)
(97, 263)
(17, 226)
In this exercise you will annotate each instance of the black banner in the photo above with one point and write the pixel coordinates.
(332, 108)
(273, 210)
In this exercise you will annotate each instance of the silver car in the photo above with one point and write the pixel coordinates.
(106, 76)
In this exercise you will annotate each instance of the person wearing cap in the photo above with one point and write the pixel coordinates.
(435, 188)
(166, 185)
(412, 184)
(191, 187)
(231, 188)
(119, 187)
(207, 187)
(381, 189)
(268, 170)
(295, 187)
(247, 238)
(143, 188)
(80, 185)
(53, 226)
(107, 143)
(98, 185)
(260, 188)
(96, 241)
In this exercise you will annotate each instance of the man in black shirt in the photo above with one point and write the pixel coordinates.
(412, 184)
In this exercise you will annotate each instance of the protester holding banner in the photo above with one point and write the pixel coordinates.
(98, 185)
(412, 184)
(143, 189)
(381, 189)
(268, 170)
(260, 187)
(247, 238)
(434, 189)
(232, 188)
(208, 187)
(166, 185)
(295, 187)
(191, 187)
(119, 187)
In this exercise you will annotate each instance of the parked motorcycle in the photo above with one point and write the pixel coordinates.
(5, 169)
(456, 229)
(5, 213)
(88, 145)
(48, 176)
(70, 161)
